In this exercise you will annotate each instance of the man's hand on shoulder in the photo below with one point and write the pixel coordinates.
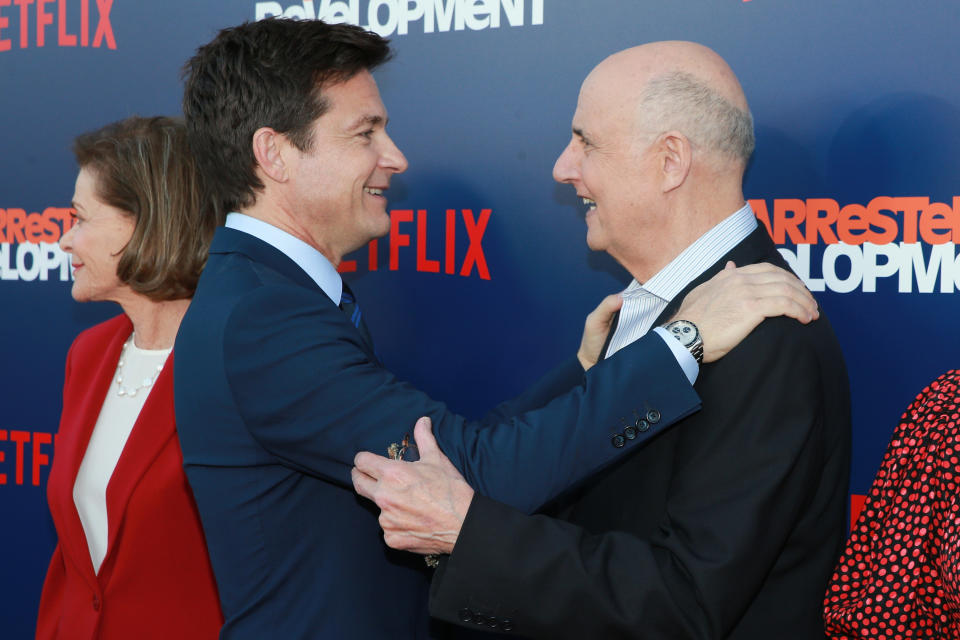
(731, 304)
(423, 503)
(596, 328)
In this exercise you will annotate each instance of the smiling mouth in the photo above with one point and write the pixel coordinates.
(373, 191)
(591, 204)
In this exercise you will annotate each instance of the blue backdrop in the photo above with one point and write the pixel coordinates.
(858, 118)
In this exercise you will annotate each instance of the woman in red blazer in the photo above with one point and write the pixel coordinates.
(131, 561)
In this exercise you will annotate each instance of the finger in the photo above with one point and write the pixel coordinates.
(798, 293)
(370, 464)
(761, 267)
(602, 316)
(362, 483)
(607, 307)
(426, 443)
(771, 306)
(730, 266)
(610, 305)
(775, 275)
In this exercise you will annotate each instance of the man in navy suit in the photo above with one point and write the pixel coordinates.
(277, 382)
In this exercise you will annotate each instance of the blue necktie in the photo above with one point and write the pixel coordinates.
(348, 303)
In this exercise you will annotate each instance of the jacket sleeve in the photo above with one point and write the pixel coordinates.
(310, 396)
(744, 469)
(562, 379)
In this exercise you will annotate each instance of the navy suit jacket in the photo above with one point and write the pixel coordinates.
(275, 393)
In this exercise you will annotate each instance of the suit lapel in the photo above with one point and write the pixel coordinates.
(228, 240)
(88, 389)
(154, 428)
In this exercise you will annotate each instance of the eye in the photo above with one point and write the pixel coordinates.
(367, 134)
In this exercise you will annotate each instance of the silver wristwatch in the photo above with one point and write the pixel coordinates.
(689, 336)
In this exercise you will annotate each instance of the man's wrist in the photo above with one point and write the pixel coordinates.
(686, 361)
(688, 335)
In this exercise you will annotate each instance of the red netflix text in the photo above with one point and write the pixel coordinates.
(408, 233)
(42, 22)
(16, 447)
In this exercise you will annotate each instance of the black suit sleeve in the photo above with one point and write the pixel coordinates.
(745, 468)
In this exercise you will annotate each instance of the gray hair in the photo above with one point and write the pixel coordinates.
(681, 101)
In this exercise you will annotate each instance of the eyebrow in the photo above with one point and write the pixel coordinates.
(367, 120)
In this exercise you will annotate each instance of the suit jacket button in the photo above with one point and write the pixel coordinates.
(506, 624)
(653, 416)
(642, 425)
(96, 603)
(465, 615)
(618, 441)
(491, 622)
(630, 433)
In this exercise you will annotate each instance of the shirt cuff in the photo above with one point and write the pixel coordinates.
(684, 358)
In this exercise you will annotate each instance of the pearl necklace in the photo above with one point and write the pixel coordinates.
(130, 392)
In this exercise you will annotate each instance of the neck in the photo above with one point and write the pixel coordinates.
(155, 324)
(686, 219)
(273, 211)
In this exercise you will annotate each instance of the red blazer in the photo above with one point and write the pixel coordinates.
(156, 580)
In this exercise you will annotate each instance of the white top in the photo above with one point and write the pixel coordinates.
(114, 424)
(642, 304)
(307, 258)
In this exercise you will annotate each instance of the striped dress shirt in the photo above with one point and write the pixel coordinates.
(643, 303)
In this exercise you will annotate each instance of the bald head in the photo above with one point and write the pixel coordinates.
(682, 86)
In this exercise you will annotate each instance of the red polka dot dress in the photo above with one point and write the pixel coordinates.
(898, 576)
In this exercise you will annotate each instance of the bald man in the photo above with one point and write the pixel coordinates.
(726, 527)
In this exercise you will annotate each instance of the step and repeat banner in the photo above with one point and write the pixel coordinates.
(484, 279)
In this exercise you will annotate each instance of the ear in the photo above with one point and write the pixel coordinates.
(268, 150)
(676, 158)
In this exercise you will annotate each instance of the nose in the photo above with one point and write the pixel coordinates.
(565, 169)
(391, 157)
(66, 241)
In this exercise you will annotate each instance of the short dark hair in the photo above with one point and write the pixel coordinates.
(268, 73)
(143, 167)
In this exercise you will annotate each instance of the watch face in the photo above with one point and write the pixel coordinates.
(684, 331)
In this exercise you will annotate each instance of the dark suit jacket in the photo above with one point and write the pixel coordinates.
(155, 581)
(724, 527)
(276, 391)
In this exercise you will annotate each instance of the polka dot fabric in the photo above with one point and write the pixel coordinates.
(898, 575)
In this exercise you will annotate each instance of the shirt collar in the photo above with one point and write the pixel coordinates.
(314, 263)
(698, 257)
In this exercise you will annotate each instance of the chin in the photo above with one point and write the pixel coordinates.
(596, 243)
(381, 227)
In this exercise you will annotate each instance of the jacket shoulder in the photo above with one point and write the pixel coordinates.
(98, 335)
